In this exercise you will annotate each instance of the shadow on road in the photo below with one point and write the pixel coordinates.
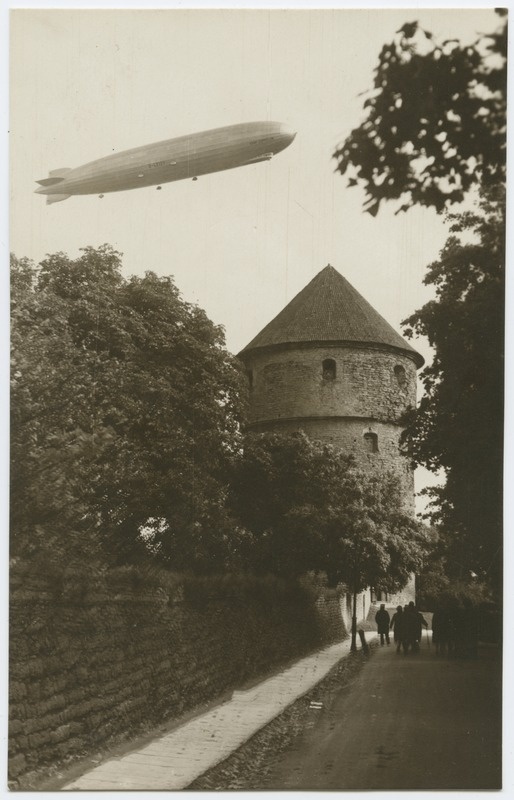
(386, 722)
(415, 722)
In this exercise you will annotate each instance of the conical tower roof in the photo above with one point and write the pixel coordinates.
(329, 309)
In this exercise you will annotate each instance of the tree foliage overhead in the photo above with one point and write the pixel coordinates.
(435, 121)
(305, 506)
(435, 129)
(126, 411)
(459, 423)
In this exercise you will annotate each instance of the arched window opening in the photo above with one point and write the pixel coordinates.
(249, 374)
(401, 375)
(329, 369)
(371, 442)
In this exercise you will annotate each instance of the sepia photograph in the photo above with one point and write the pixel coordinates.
(257, 331)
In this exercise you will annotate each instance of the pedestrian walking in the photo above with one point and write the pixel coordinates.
(409, 630)
(383, 619)
(413, 623)
(419, 625)
(440, 630)
(396, 627)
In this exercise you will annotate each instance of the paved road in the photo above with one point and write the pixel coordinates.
(416, 722)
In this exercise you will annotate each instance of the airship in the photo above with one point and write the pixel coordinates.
(170, 160)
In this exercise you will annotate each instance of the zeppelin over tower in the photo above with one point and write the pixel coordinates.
(331, 366)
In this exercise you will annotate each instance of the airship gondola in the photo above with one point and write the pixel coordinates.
(170, 160)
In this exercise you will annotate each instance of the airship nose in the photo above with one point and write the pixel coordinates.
(287, 132)
(285, 136)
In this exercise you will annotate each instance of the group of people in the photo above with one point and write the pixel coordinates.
(407, 625)
(454, 629)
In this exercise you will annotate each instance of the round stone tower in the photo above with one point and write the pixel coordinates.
(331, 366)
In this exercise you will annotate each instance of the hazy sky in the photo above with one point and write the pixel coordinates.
(240, 243)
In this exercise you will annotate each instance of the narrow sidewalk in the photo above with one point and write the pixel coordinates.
(175, 760)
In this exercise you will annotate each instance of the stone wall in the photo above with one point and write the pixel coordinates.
(98, 659)
(348, 435)
(290, 383)
(364, 603)
(370, 391)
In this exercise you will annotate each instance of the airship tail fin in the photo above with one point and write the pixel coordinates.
(55, 198)
(49, 181)
(54, 176)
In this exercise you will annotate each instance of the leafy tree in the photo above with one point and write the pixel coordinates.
(433, 582)
(390, 544)
(435, 128)
(278, 485)
(126, 411)
(459, 424)
(305, 506)
(437, 586)
(435, 121)
(51, 441)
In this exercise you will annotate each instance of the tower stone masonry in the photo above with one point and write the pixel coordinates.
(331, 366)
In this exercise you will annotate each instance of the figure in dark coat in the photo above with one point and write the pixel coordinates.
(396, 626)
(413, 623)
(382, 619)
(440, 630)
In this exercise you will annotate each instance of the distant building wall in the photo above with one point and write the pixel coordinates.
(364, 604)
(401, 598)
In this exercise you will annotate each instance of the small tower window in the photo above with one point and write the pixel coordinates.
(401, 375)
(329, 369)
(371, 442)
(249, 374)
